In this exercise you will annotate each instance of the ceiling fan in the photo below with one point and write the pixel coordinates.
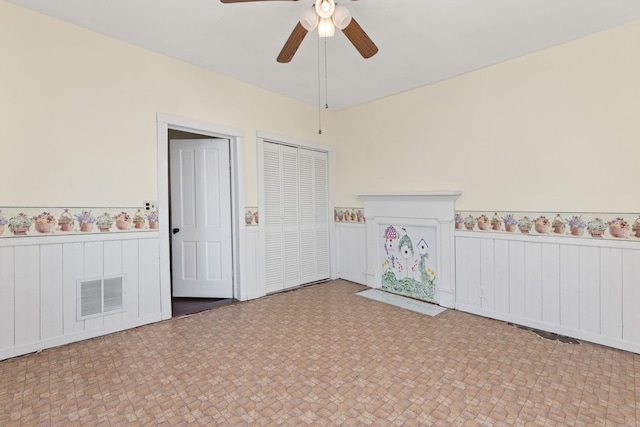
(326, 16)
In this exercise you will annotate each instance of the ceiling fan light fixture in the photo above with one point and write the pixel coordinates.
(341, 17)
(325, 8)
(326, 28)
(309, 19)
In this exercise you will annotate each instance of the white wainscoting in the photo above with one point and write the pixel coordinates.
(253, 279)
(583, 288)
(351, 251)
(38, 279)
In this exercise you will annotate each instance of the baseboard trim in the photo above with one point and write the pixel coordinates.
(556, 329)
(24, 349)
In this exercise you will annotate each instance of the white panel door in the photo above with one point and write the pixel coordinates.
(201, 257)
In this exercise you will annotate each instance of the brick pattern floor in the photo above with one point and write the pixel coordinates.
(322, 355)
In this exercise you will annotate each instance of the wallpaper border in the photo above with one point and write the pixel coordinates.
(42, 221)
(600, 225)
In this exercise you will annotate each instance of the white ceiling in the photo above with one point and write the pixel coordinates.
(420, 41)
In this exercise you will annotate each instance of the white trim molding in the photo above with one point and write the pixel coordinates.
(236, 138)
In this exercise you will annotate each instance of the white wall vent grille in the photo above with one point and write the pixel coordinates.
(100, 297)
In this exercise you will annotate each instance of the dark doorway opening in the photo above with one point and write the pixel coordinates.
(184, 306)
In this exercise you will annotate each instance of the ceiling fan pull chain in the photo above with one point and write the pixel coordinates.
(319, 92)
(326, 78)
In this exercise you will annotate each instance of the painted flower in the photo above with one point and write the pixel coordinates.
(85, 217)
(482, 219)
(541, 220)
(495, 219)
(123, 216)
(152, 216)
(3, 220)
(618, 223)
(65, 217)
(21, 220)
(138, 216)
(104, 220)
(44, 218)
(525, 222)
(470, 221)
(576, 221)
(596, 225)
(558, 221)
(509, 219)
(635, 226)
(458, 218)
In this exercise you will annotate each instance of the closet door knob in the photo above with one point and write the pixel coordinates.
(176, 230)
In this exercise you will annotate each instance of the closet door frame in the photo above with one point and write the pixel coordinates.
(263, 137)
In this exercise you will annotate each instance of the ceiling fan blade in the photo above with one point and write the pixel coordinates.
(292, 44)
(246, 1)
(360, 39)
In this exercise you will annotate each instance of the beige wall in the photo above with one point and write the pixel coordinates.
(79, 114)
(557, 130)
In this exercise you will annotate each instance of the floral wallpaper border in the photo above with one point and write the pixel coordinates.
(251, 215)
(348, 214)
(339, 215)
(43, 221)
(569, 224)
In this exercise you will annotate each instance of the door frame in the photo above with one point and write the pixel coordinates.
(236, 150)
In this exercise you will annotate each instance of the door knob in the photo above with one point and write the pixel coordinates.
(176, 230)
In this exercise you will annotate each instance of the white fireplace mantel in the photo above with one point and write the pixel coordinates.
(435, 209)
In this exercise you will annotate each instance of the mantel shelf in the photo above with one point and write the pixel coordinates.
(417, 194)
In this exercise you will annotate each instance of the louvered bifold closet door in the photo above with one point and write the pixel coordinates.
(307, 216)
(321, 212)
(272, 218)
(282, 250)
(296, 218)
(314, 218)
(290, 228)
